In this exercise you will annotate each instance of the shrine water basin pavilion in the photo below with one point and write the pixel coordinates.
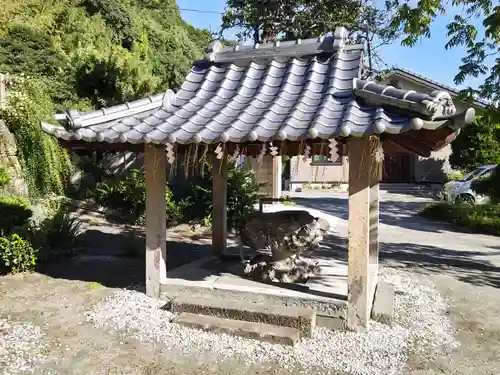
(274, 99)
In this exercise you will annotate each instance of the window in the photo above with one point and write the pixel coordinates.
(325, 160)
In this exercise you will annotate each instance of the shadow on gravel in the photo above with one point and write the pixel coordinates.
(465, 266)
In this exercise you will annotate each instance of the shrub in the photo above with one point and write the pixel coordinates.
(57, 236)
(242, 195)
(187, 200)
(4, 178)
(129, 196)
(14, 212)
(16, 254)
(45, 164)
(454, 176)
(479, 218)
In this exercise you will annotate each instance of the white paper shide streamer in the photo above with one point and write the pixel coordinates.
(307, 153)
(170, 153)
(219, 152)
(273, 150)
(333, 150)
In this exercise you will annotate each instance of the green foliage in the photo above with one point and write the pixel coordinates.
(98, 51)
(57, 236)
(242, 195)
(16, 254)
(24, 49)
(479, 218)
(414, 20)
(116, 16)
(129, 196)
(267, 21)
(489, 186)
(4, 178)
(46, 165)
(477, 144)
(114, 77)
(14, 213)
(454, 176)
(83, 54)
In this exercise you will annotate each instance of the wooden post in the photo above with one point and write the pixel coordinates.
(374, 230)
(156, 250)
(358, 287)
(219, 205)
(276, 176)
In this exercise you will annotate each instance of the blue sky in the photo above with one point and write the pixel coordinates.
(428, 58)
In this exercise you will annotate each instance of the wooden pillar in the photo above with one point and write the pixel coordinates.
(219, 205)
(358, 287)
(374, 228)
(156, 250)
(276, 176)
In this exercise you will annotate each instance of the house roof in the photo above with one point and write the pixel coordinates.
(433, 84)
(306, 89)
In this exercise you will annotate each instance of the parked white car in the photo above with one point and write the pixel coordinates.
(461, 191)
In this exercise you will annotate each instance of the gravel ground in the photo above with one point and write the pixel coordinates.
(21, 347)
(47, 322)
(421, 329)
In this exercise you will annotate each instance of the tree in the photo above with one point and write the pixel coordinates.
(477, 144)
(414, 19)
(263, 21)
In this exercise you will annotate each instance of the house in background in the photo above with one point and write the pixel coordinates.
(397, 168)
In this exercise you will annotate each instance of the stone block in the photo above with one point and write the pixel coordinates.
(383, 303)
(257, 331)
(300, 318)
(333, 322)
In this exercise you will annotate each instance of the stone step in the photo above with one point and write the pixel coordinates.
(300, 318)
(257, 331)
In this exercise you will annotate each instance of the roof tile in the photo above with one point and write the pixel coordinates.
(300, 90)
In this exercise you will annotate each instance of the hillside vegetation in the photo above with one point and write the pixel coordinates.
(85, 54)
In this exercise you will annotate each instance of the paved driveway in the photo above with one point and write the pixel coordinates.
(464, 266)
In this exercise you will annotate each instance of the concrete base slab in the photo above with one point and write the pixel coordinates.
(383, 303)
(223, 279)
(258, 331)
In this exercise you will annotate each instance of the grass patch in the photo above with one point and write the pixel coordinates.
(93, 285)
(480, 218)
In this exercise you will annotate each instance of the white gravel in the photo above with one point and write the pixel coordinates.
(21, 347)
(421, 328)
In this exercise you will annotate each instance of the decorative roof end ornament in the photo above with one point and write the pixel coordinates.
(212, 49)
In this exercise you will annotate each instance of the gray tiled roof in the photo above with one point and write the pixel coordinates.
(431, 82)
(90, 126)
(292, 91)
